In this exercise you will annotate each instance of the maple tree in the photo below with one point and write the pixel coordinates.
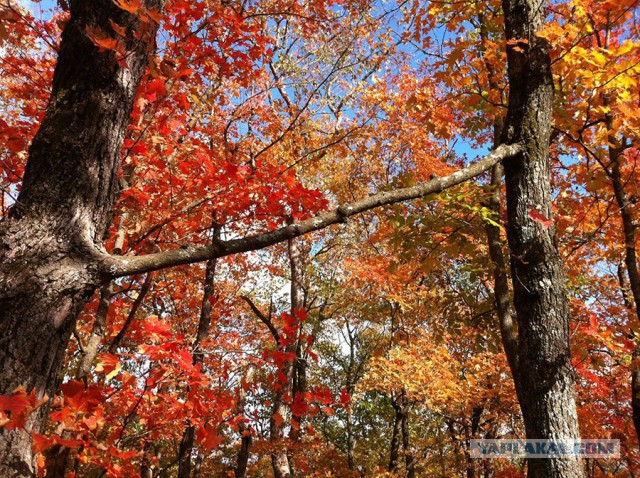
(167, 311)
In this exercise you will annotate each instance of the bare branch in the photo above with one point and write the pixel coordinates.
(112, 266)
(263, 318)
(146, 286)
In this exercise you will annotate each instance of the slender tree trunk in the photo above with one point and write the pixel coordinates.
(350, 439)
(53, 231)
(188, 437)
(282, 407)
(633, 274)
(144, 290)
(409, 457)
(99, 328)
(502, 295)
(245, 432)
(396, 436)
(300, 366)
(146, 471)
(630, 258)
(546, 379)
(473, 464)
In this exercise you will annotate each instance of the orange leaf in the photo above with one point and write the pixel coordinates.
(131, 6)
(101, 39)
(41, 442)
(278, 419)
(539, 217)
(328, 411)
(122, 31)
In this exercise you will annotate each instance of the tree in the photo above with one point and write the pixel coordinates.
(55, 236)
(544, 379)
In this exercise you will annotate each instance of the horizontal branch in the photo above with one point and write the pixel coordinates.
(118, 266)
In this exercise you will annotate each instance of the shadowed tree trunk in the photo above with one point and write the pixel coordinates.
(409, 458)
(630, 255)
(245, 433)
(50, 238)
(300, 367)
(546, 380)
(396, 436)
(631, 266)
(188, 438)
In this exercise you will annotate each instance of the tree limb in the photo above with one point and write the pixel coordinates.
(263, 318)
(113, 267)
(146, 286)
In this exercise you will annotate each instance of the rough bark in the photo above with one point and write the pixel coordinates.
(188, 438)
(502, 294)
(546, 379)
(633, 274)
(48, 244)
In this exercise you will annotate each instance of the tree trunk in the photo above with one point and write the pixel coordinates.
(300, 366)
(144, 290)
(282, 407)
(630, 259)
(56, 226)
(394, 449)
(409, 458)
(631, 266)
(546, 380)
(188, 437)
(245, 433)
(350, 439)
(146, 470)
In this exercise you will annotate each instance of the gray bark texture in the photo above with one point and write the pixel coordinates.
(545, 379)
(48, 244)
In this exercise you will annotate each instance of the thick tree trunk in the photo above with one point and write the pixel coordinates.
(56, 225)
(188, 437)
(546, 380)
